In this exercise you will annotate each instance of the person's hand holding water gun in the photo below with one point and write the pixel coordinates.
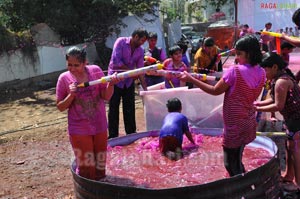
(150, 60)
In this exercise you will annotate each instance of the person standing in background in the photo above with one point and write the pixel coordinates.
(156, 52)
(266, 39)
(206, 57)
(185, 59)
(183, 45)
(127, 54)
(217, 16)
(246, 30)
(296, 31)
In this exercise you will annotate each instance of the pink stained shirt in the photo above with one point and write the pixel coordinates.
(86, 114)
(168, 65)
(251, 75)
(246, 84)
(122, 54)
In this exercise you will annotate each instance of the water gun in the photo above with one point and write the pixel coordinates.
(225, 52)
(176, 74)
(123, 75)
(151, 60)
(275, 34)
(271, 134)
(272, 34)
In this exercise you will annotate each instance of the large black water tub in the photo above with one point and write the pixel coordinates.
(260, 183)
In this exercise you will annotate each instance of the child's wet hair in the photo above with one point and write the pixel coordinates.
(296, 17)
(174, 105)
(271, 58)
(174, 49)
(250, 45)
(152, 35)
(75, 51)
(140, 32)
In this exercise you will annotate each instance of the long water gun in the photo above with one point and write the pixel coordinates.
(275, 34)
(268, 134)
(176, 74)
(123, 75)
(226, 52)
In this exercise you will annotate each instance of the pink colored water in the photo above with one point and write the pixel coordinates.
(140, 164)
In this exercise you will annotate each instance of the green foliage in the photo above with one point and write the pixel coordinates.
(175, 9)
(11, 41)
(217, 3)
(195, 10)
(75, 20)
(7, 40)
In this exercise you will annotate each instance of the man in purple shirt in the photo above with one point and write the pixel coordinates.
(127, 54)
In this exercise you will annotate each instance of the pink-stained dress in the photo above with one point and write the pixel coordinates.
(87, 114)
(246, 84)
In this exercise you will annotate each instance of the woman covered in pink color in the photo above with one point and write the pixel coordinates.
(87, 123)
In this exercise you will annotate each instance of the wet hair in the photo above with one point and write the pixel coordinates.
(209, 41)
(250, 45)
(174, 49)
(174, 105)
(296, 17)
(246, 26)
(140, 32)
(75, 51)
(271, 58)
(286, 45)
(152, 35)
(269, 23)
(183, 46)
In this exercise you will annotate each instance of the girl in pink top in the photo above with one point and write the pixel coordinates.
(174, 63)
(242, 84)
(87, 124)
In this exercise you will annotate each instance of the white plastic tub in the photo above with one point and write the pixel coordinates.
(202, 109)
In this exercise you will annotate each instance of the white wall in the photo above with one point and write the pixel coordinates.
(134, 22)
(15, 66)
(50, 59)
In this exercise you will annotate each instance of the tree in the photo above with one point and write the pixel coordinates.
(75, 20)
(217, 3)
(172, 11)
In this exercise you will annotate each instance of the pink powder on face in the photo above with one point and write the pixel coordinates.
(140, 164)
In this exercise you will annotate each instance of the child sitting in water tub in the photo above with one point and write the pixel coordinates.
(175, 124)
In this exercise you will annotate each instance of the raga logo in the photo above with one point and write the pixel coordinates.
(278, 6)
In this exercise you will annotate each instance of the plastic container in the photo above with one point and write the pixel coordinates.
(202, 110)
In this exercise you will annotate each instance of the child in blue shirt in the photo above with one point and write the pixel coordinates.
(175, 124)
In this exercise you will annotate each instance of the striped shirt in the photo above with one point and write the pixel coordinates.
(238, 110)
